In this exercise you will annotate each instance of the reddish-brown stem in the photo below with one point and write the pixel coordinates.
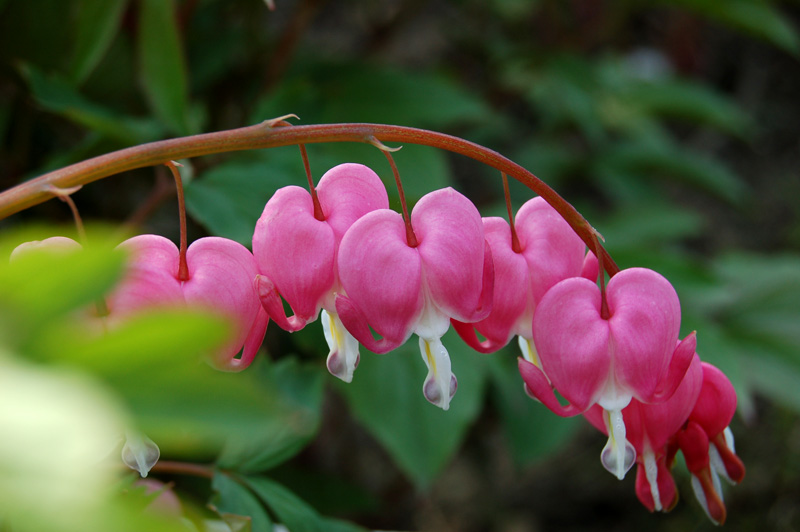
(318, 214)
(604, 312)
(183, 468)
(66, 197)
(514, 239)
(183, 267)
(264, 135)
(411, 238)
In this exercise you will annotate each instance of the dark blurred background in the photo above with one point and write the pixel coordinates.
(674, 127)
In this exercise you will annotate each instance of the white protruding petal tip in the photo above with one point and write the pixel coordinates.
(440, 384)
(343, 357)
(618, 455)
(140, 453)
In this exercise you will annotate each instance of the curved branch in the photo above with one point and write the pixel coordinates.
(264, 135)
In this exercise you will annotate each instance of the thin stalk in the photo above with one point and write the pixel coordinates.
(604, 312)
(183, 267)
(411, 238)
(318, 214)
(264, 135)
(183, 468)
(515, 247)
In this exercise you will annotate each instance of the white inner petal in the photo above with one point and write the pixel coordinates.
(651, 473)
(343, 356)
(618, 455)
(440, 383)
(529, 352)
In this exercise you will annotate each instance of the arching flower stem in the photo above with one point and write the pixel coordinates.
(183, 268)
(264, 135)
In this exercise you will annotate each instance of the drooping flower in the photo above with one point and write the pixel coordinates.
(54, 244)
(296, 254)
(649, 429)
(592, 358)
(549, 251)
(400, 290)
(707, 444)
(220, 279)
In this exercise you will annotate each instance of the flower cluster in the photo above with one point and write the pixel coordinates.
(611, 351)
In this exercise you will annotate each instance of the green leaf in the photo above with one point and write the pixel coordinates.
(644, 157)
(649, 224)
(162, 66)
(756, 17)
(289, 509)
(419, 436)
(532, 431)
(155, 362)
(229, 199)
(689, 101)
(373, 93)
(96, 27)
(298, 390)
(58, 96)
(41, 286)
(774, 378)
(234, 499)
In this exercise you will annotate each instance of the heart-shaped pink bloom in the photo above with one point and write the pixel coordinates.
(608, 361)
(707, 442)
(399, 290)
(54, 244)
(649, 428)
(221, 276)
(296, 253)
(550, 251)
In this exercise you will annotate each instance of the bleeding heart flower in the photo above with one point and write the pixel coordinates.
(649, 428)
(221, 275)
(296, 254)
(398, 289)
(54, 244)
(707, 442)
(549, 251)
(609, 360)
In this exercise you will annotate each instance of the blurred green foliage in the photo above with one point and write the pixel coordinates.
(583, 100)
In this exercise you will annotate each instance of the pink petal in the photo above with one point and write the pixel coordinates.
(295, 251)
(512, 308)
(347, 192)
(449, 231)
(221, 276)
(150, 278)
(537, 386)
(572, 341)
(716, 404)
(644, 323)
(552, 249)
(382, 277)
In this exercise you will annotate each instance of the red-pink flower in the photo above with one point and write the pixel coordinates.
(220, 279)
(592, 358)
(296, 254)
(707, 442)
(549, 251)
(649, 428)
(398, 289)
